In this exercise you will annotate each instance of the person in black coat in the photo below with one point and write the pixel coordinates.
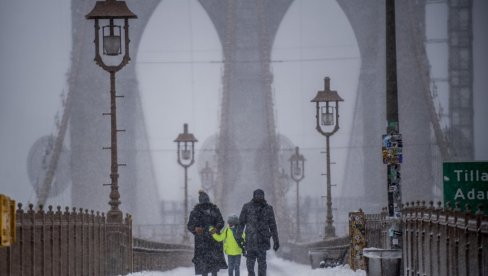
(257, 220)
(209, 255)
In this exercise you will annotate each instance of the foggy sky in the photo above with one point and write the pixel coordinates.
(180, 82)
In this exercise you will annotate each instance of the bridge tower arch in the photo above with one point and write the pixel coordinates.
(246, 30)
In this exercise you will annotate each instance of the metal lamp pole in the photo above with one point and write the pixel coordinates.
(297, 173)
(327, 123)
(111, 13)
(186, 157)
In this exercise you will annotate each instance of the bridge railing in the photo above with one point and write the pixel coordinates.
(444, 241)
(376, 229)
(167, 233)
(436, 240)
(313, 253)
(148, 255)
(79, 242)
(56, 242)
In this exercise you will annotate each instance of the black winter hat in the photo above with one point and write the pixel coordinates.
(258, 194)
(233, 219)
(203, 197)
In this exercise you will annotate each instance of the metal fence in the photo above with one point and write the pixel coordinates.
(168, 232)
(438, 241)
(56, 243)
(160, 256)
(444, 241)
(79, 242)
(376, 228)
(313, 253)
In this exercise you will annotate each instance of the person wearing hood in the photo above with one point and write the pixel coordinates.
(257, 221)
(231, 247)
(208, 255)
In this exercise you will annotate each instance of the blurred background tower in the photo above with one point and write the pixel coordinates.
(460, 75)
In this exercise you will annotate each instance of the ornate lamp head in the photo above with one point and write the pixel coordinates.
(207, 177)
(327, 106)
(112, 15)
(297, 165)
(186, 147)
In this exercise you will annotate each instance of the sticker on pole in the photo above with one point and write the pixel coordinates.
(466, 183)
(392, 149)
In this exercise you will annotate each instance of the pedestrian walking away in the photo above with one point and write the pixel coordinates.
(208, 255)
(257, 221)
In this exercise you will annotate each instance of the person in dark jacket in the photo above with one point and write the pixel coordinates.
(209, 255)
(258, 222)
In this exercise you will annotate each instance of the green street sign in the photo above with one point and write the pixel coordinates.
(466, 182)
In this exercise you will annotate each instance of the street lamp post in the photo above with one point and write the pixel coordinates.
(327, 123)
(207, 178)
(112, 14)
(186, 157)
(297, 173)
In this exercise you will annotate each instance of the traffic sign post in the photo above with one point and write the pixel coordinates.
(466, 183)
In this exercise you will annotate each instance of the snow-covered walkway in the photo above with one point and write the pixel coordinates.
(276, 267)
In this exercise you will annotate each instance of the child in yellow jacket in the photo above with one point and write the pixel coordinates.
(231, 248)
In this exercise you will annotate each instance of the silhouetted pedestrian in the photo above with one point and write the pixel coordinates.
(257, 220)
(209, 254)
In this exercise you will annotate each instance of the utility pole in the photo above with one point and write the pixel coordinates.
(392, 140)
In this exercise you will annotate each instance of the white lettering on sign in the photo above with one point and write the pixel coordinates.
(459, 194)
(471, 195)
(471, 176)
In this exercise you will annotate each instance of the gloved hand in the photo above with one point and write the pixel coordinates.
(276, 245)
(240, 243)
(199, 230)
